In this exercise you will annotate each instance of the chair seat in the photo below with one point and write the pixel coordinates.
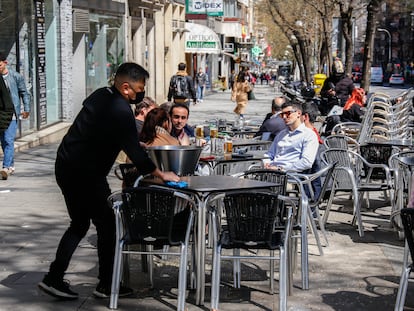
(276, 242)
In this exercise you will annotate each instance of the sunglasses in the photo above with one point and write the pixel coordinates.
(286, 113)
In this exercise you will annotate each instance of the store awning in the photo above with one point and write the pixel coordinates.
(201, 39)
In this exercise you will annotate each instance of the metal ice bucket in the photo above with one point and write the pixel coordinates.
(180, 159)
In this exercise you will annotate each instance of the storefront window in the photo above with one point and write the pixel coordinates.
(18, 42)
(105, 50)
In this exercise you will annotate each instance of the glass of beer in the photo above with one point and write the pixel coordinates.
(213, 132)
(228, 146)
(199, 131)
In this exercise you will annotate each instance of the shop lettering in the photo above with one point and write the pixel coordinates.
(202, 5)
(201, 45)
(201, 37)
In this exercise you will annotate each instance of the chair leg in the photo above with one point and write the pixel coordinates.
(182, 279)
(328, 207)
(321, 225)
(357, 212)
(215, 282)
(236, 269)
(272, 273)
(315, 231)
(151, 265)
(283, 280)
(402, 289)
(116, 276)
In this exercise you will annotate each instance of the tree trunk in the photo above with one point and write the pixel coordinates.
(373, 8)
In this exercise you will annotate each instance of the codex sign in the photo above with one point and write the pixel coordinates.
(209, 7)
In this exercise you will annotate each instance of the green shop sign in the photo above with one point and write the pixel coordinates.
(201, 45)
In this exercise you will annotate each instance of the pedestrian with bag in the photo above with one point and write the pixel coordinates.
(181, 88)
(104, 126)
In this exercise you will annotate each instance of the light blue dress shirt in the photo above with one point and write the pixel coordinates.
(294, 150)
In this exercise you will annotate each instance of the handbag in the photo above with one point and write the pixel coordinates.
(250, 95)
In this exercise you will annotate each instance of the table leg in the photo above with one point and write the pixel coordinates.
(201, 247)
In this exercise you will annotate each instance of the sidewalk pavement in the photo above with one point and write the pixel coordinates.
(353, 274)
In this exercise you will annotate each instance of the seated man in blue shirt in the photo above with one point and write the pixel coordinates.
(294, 148)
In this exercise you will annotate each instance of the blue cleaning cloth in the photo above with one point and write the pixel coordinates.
(179, 184)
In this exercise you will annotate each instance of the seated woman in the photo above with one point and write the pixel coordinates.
(352, 110)
(156, 129)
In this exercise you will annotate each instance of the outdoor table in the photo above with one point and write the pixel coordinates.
(252, 144)
(202, 187)
(245, 160)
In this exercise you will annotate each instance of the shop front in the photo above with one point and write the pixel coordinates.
(203, 47)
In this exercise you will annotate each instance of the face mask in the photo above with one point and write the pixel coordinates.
(138, 98)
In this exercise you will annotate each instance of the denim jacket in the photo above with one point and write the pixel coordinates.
(17, 87)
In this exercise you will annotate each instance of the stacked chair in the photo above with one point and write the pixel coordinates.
(387, 119)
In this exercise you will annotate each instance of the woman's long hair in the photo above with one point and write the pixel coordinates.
(357, 97)
(155, 117)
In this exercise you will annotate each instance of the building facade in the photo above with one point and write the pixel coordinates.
(65, 49)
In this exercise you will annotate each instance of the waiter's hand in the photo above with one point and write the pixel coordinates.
(169, 176)
(25, 114)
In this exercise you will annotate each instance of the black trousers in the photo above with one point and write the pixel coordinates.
(86, 201)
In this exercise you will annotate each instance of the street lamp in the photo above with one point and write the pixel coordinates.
(389, 42)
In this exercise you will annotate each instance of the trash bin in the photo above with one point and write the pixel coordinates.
(318, 81)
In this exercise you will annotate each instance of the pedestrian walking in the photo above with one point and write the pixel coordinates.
(240, 95)
(181, 87)
(104, 126)
(16, 86)
(201, 79)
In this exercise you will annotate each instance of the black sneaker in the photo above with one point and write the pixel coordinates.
(57, 288)
(103, 291)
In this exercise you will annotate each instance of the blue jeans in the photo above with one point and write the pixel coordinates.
(7, 144)
(200, 91)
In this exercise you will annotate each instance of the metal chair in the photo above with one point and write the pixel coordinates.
(407, 217)
(314, 200)
(151, 216)
(349, 176)
(401, 178)
(255, 220)
(342, 142)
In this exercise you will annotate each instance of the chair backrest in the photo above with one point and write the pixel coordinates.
(326, 175)
(341, 141)
(253, 216)
(351, 129)
(149, 213)
(347, 169)
(407, 217)
(269, 175)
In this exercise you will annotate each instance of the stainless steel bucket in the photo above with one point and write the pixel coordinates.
(180, 159)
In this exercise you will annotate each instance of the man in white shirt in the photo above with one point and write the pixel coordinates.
(295, 148)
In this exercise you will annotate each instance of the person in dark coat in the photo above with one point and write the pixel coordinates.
(343, 84)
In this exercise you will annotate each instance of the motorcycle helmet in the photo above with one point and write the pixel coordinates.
(307, 92)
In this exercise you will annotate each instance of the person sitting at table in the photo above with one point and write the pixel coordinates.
(156, 129)
(352, 110)
(294, 148)
(273, 123)
(180, 129)
(141, 111)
